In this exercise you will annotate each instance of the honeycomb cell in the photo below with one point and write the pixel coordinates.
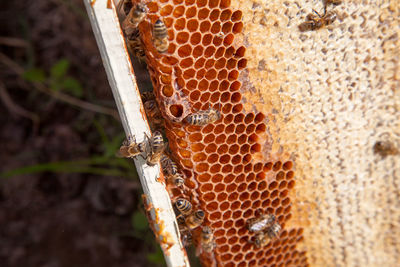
(198, 52)
(222, 74)
(215, 216)
(228, 40)
(290, 184)
(235, 86)
(202, 167)
(213, 86)
(217, 178)
(185, 51)
(192, 25)
(255, 148)
(213, 206)
(289, 175)
(227, 27)
(191, 12)
(280, 175)
(210, 148)
(277, 166)
(209, 138)
(205, 177)
(214, 14)
(220, 63)
(220, 52)
(215, 168)
(176, 110)
(178, 11)
(165, 11)
(229, 52)
(227, 214)
(186, 63)
(205, 27)
(282, 185)
(212, 73)
(216, 27)
(198, 157)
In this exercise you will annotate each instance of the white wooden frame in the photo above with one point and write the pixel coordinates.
(109, 37)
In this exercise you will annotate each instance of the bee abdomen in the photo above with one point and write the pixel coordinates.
(159, 30)
(183, 206)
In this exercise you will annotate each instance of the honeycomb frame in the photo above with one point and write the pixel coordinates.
(229, 171)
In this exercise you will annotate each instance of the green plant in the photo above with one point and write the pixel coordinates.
(57, 78)
(106, 164)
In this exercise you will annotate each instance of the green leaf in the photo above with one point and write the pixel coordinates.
(34, 75)
(59, 69)
(72, 86)
(139, 221)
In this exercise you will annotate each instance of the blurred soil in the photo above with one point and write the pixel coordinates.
(59, 219)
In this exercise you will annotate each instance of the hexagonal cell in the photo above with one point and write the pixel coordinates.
(214, 14)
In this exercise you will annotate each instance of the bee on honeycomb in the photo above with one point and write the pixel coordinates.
(154, 113)
(135, 45)
(317, 21)
(259, 224)
(155, 148)
(132, 20)
(333, 2)
(170, 169)
(385, 148)
(195, 219)
(125, 6)
(264, 237)
(207, 239)
(204, 117)
(160, 36)
(146, 96)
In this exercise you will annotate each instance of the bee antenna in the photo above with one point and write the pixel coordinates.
(317, 12)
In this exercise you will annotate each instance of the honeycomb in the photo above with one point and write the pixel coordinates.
(229, 170)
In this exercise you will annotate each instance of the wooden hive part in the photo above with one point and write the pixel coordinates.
(230, 172)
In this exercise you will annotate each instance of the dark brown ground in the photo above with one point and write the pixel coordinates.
(62, 214)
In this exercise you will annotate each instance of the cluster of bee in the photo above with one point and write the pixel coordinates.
(189, 219)
(153, 148)
(134, 15)
(265, 227)
(315, 21)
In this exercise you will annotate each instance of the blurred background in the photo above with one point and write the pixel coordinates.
(65, 199)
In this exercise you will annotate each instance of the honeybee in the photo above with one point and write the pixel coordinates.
(160, 36)
(183, 206)
(333, 2)
(385, 148)
(125, 6)
(135, 45)
(132, 20)
(148, 95)
(155, 148)
(130, 148)
(170, 169)
(315, 22)
(259, 224)
(207, 239)
(203, 117)
(195, 219)
(263, 238)
(153, 112)
(186, 239)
